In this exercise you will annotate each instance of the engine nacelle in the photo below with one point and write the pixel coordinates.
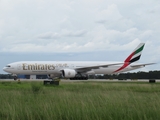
(69, 73)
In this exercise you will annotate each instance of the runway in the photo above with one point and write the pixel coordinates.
(89, 80)
(108, 80)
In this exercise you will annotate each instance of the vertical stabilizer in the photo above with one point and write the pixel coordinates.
(133, 57)
(136, 54)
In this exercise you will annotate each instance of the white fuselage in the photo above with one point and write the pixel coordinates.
(55, 67)
(76, 69)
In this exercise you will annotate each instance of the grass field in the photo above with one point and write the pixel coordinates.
(79, 101)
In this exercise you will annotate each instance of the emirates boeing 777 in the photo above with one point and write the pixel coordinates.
(76, 69)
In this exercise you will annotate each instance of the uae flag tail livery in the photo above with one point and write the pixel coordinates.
(133, 57)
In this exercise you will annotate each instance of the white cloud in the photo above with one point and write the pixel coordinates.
(49, 26)
(109, 14)
(49, 35)
(67, 33)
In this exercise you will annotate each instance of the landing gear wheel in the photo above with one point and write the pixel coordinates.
(15, 78)
(79, 78)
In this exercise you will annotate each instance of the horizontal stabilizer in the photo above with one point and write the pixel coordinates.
(139, 65)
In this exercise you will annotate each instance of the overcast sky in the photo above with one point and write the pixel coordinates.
(94, 30)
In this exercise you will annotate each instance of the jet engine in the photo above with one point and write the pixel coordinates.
(69, 73)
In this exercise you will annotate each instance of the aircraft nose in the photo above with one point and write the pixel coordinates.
(4, 69)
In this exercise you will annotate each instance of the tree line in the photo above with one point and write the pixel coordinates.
(121, 76)
(135, 75)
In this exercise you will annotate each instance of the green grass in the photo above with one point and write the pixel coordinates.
(79, 101)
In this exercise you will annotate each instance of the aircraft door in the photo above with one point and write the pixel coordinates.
(19, 67)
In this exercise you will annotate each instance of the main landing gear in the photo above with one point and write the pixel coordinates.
(79, 78)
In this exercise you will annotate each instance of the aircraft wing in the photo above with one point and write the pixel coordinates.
(139, 65)
(88, 68)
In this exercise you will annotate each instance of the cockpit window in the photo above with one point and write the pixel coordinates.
(8, 66)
